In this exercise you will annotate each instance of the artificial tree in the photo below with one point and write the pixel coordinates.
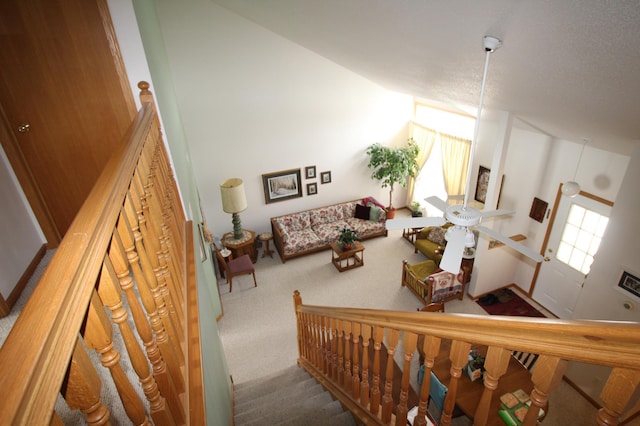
(393, 165)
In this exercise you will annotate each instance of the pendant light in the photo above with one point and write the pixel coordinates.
(572, 188)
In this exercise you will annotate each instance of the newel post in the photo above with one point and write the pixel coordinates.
(297, 301)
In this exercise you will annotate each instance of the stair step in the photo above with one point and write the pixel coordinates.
(289, 397)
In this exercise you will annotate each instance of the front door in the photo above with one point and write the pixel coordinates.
(574, 239)
(65, 100)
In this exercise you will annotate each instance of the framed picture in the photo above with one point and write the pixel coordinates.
(310, 172)
(483, 184)
(203, 251)
(325, 177)
(629, 283)
(538, 209)
(280, 186)
(312, 188)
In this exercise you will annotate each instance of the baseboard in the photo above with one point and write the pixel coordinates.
(6, 305)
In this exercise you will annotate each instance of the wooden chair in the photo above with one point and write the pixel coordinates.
(430, 284)
(234, 267)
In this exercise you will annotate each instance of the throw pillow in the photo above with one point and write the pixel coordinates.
(437, 235)
(375, 213)
(362, 212)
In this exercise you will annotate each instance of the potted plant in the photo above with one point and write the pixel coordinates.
(393, 165)
(415, 209)
(347, 238)
(475, 366)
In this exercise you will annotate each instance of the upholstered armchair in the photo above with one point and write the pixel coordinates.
(430, 242)
(430, 284)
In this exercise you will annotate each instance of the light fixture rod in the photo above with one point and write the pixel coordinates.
(490, 46)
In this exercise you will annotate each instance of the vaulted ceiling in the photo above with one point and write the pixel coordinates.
(568, 68)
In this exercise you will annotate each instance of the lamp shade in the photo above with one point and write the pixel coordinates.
(233, 198)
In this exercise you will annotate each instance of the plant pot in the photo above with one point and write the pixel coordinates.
(347, 246)
(416, 214)
(391, 212)
(474, 373)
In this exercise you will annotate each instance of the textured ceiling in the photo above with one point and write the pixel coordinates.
(569, 68)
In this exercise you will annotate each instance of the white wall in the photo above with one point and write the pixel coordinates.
(21, 234)
(253, 103)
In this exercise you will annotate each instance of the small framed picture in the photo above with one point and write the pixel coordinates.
(325, 177)
(310, 172)
(629, 283)
(312, 188)
(538, 209)
(483, 184)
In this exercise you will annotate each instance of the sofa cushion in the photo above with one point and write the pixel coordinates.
(437, 235)
(329, 232)
(349, 209)
(304, 239)
(326, 214)
(362, 212)
(376, 213)
(423, 269)
(294, 222)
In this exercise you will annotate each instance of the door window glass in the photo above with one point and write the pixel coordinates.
(581, 238)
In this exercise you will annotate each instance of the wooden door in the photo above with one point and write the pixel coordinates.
(65, 100)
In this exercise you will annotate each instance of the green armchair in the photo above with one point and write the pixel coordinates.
(430, 242)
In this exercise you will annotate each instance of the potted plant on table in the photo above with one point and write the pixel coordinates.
(393, 165)
(415, 209)
(347, 238)
(475, 366)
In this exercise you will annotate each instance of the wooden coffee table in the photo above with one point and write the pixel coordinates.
(344, 260)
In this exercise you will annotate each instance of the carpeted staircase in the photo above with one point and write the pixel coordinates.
(289, 397)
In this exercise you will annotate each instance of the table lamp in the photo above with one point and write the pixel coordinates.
(234, 201)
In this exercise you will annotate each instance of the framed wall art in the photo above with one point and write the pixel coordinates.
(483, 184)
(312, 188)
(325, 177)
(629, 283)
(310, 172)
(538, 209)
(281, 186)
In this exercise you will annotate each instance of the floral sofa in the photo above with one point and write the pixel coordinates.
(309, 231)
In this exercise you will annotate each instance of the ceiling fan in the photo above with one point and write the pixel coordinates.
(463, 217)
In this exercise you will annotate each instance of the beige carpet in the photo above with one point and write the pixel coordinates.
(258, 329)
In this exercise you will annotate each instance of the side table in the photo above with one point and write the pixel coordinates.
(265, 238)
(344, 260)
(244, 245)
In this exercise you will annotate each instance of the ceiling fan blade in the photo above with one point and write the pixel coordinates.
(437, 203)
(414, 222)
(452, 257)
(494, 213)
(509, 242)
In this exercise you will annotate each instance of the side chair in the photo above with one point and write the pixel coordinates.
(234, 267)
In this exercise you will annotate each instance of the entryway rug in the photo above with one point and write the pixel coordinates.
(505, 302)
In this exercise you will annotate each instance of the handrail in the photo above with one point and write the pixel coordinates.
(325, 335)
(42, 342)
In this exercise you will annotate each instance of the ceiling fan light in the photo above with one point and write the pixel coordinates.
(570, 188)
(469, 239)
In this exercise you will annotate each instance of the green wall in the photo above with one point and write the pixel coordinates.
(217, 382)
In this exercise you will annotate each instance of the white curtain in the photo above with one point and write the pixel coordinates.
(425, 139)
(455, 161)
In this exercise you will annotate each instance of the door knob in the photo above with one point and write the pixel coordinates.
(24, 127)
(546, 259)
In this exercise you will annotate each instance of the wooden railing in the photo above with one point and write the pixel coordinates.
(123, 264)
(343, 348)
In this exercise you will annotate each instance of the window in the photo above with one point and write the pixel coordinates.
(581, 238)
(430, 181)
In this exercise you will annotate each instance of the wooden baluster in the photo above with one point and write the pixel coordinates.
(387, 397)
(364, 383)
(431, 349)
(496, 364)
(97, 335)
(378, 335)
(409, 341)
(308, 337)
(334, 350)
(108, 290)
(168, 344)
(326, 353)
(347, 357)
(620, 387)
(355, 378)
(82, 390)
(341, 339)
(546, 377)
(317, 352)
(459, 357)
